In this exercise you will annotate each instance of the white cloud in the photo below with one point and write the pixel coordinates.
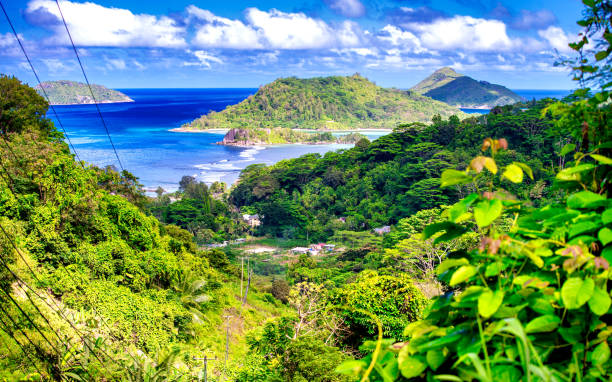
(94, 25)
(115, 63)
(205, 59)
(55, 65)
(404, 39)
(463, 32)
(556, 38)
(220, 32)
(348, 8)
(290, 30)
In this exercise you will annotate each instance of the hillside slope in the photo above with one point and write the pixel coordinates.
(75, 93)
(457, 89)
(329, 103)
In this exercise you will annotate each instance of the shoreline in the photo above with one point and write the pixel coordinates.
(224, 131)
(91, 103)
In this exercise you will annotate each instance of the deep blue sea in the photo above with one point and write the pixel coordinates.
(159, 157)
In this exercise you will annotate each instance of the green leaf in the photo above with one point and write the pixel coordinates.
(412, 367)
(583, 199)
(607, 254)
(452, 177)
(525, 168)
(513, 173)
(450, 263)
(582, 227)
(543, 324)
(489, 302)
(567, 149)
(576, 292)
(461, 207)
(599, 301)
(487, 211)
(601, 159)
(606, 217)
(605, 235)
(601, 354)
(463, 273)
(435, 358)
(451, 230)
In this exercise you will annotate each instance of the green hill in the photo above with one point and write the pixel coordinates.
(65, 92)
(330, 103)
(457, 89)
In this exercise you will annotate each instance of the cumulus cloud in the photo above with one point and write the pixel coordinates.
(220, 32)
(557, 38)
(463, 32)
(397, 37)
(348, 8)
(270, 30)
(94, 25)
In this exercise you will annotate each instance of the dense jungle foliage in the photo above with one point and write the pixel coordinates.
(331, 103)
(378, 183)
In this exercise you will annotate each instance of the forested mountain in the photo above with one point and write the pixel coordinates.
(457, 89)
(325, 103)
(75, 93)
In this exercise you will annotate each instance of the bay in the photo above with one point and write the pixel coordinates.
(147, 148)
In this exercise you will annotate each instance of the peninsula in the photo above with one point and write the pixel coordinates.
(65, 92)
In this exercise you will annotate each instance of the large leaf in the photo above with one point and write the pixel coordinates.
(582, 227)
(452, 177)
(411, 367)
(525, 168)
(601, 354)
(576, 292)
(513, 173)
(583, 199)
(606, 217)
(351, 367)
(489, 302)
(487, 211)
(599, 301)
(463, 273)
(567, 149)
(435, 358)
(605, 236)
(450, 263)
(602, 159)
(546, 323)
(461, 207)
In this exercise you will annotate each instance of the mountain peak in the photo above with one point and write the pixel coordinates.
(457, 89)
(447, 70)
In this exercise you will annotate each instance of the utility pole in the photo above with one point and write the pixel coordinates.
(241, 274)
(249, 273)
(227, 334)
(205, 359)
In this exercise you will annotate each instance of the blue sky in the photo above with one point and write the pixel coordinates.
(130, 44)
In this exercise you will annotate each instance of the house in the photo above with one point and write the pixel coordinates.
(299, 250)
(316, 247)
(342, 219)
(252, 220)
(329, 247)
(382, 230)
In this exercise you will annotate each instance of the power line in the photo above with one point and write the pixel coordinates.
(39, 82)
(12, 335)
(88, 84)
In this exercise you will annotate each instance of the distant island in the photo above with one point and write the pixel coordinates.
(325, 103)
(459, 90)
(65, 92)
